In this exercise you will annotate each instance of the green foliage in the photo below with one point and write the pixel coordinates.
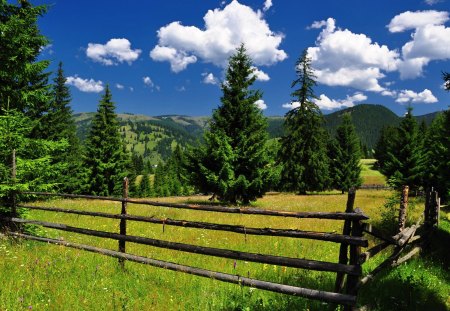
(233, 162)
(402, 162)
(35, 168)
(106, 159)
(303, 148)
(22, 77)
(346, 167)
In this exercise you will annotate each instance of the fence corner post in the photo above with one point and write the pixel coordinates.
(403, 208)
(355, 252)
(343, 249)
(123, 221)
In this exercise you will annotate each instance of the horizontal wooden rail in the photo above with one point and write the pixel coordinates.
(220, 209)
(217, 252)
(373, 251)
(313, 235)
(236, 279)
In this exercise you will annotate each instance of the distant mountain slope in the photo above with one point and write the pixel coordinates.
(155, 137)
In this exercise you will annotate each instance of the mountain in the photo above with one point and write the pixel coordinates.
(154, 137)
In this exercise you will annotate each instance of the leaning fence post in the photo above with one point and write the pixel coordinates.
(403, 208)
(123, 221)
(343, 250)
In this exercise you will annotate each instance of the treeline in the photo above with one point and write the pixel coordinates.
(416, 155)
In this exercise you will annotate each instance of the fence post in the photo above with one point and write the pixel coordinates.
(403, 208)
(343, 250)
(13, 182)
(123, 222)
(355, 252)
(434, 209)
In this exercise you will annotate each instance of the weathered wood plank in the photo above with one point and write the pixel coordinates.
(217, 252)
(403, 208)
(313, 235)
(220, 209)
(123, 221)
(243, 281)
(373, 251)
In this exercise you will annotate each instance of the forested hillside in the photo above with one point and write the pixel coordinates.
(154, 138)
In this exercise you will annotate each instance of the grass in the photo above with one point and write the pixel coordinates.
(370, 175)
(48, 277)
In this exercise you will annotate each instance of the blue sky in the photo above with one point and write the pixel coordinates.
(168, 57)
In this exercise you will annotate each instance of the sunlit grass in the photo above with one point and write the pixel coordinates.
(369, 175)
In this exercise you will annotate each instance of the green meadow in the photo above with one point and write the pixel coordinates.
(42, 276)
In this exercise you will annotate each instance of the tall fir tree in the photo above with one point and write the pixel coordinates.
(346, 167)
(404, 160)
(23, 80)
(234, 160)
(303, 152)
(384, 145)
(59, 124)
(106, 158)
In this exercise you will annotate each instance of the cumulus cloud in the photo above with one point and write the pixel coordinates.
(430, 40)
(224, 30)
(85, 85)
(412, 20)
(113, 52)
(267, 5)
(407, 96)
(291, 105)
(261, 104)
(432, 2)
(209, 78)
(326, 103)
(260, 75)
(344, 58)
(119, 86)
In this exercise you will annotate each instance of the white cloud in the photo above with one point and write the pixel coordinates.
(412, 20)
(267, 5)
(119, 86)
(113, 52)
(85, 85)
(326, 103)
(406, 96)
(317, 24)
(343, 58)
(209, 78)
(131, 89)
(224, 30)
(389, 93)
(291, 105)
(148, 81)
(430, 40)
(260, 75)
(261, 104)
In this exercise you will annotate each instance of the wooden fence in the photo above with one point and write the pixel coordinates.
(348, 268)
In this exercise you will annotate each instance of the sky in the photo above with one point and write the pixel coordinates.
(169, 57)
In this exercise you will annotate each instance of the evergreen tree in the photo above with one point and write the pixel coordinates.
(403, 164)
(59, 124)
(106, 159)
(384, 145)
(144, 187)
(233, 163)
(346, 168)
(23, 81)
(303, 151)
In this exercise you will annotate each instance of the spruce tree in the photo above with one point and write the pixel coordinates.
(384, 145)
(106, 159)
(303, 153)
(23, 81)
(234, 160)
(59, 124)
(403, 164)
(346, 167)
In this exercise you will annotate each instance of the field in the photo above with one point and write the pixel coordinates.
(40, 276)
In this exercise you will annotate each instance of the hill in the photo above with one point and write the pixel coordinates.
(154, 137)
